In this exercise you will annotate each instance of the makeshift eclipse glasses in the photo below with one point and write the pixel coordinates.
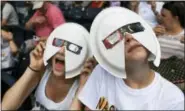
(118, 35)
(69, 46)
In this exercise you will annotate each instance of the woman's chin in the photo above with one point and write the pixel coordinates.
(58, 73)
(136, 57)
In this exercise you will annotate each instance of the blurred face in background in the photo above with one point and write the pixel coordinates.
(168, 20)
(133, 5)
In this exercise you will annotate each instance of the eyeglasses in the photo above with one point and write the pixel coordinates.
(118, 35)
(74, 48)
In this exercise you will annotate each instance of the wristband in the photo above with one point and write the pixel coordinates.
(33, 69)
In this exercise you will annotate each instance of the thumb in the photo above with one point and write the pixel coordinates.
(83, 75)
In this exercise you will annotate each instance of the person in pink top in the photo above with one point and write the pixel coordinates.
(46, 18)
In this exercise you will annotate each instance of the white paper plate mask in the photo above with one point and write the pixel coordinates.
(77, 48)
(108, 47)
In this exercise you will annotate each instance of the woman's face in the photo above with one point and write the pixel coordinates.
(134, 51)
(58, 63)
(133, 5)
(167, 18)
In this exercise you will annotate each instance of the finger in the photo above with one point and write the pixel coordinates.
(159, 34)
(86, 71)
(43, 45)
(36, 53)
(92, 60)
(89, 60)
(39, 51)
(33, 55)
(89, 65)
(95, 62)
(39, 48)
(159, 30)
(160, 26)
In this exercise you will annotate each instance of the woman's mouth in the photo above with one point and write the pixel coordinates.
(59, 64)
(133, 47)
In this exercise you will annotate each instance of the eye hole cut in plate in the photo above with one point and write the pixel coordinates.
(114, 38)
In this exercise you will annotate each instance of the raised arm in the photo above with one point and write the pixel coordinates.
(35, 19)
(88, 67)
(9, 37)
(16, 95)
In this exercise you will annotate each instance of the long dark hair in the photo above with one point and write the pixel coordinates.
(177, 8)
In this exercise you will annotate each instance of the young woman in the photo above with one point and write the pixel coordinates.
(171, 32)
(142, 88)
(54, 92)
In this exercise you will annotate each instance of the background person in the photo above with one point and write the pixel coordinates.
(8, 13)
(46, 18)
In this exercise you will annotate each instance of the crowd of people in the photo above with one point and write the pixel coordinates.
(146, 87)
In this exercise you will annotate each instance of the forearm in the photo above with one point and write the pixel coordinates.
(15, 96)
(13, 47)
(3, 22)
(29, 25)
(76, 104)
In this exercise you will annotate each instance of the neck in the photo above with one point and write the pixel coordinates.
(60, 79)
(139, 75)
(44, 8)
(46, 5)
(175, 29)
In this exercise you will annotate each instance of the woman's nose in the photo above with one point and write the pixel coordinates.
(62, 50)
(128, 37)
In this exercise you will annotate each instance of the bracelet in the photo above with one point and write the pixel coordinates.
(33, 69)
